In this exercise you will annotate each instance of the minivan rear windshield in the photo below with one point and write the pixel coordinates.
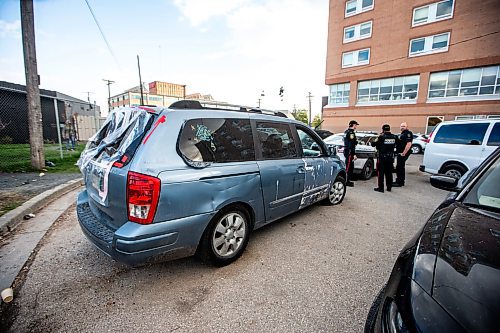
(123, 128)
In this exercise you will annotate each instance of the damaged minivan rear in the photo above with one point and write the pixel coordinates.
(166, 183)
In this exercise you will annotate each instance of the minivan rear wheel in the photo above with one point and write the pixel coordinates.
(454, 170)
(337, 192)
(226, 237)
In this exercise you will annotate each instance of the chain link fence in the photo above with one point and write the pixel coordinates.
(66, 121)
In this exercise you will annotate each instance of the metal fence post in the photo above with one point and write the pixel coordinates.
(58, 128)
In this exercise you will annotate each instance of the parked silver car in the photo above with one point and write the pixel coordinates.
(419, 143)
(168, 183)
(365, 163)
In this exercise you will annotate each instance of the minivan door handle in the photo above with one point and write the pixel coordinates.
(301, 169)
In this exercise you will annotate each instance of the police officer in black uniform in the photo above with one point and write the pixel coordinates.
(386, 146)
(404, 151)
(350, 143)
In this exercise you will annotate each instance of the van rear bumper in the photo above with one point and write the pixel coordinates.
(136, 244)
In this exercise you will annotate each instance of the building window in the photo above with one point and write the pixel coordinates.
(429, 45)
(357, 32)
(394, 90)
(353, 7)
(355, 58)
(339, 94)
(434, 12)
(465, 84)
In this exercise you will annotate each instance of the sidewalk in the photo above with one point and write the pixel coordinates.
(18, 246)
(23, 193)
(47, 197)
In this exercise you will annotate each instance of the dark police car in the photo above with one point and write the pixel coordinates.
(447, 278)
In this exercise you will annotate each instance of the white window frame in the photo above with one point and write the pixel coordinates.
(359, 8)
(478, 97)
(343, 104)
(432, 14)
(357, 32)
(429, 40)
(355, 56)
(390, 101)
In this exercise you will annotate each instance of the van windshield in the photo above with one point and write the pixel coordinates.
(122, 127)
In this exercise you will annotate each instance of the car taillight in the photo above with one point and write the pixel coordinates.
(429, 138)
(143, 193)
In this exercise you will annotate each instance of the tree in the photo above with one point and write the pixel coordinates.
(301, 115)
(316, 121)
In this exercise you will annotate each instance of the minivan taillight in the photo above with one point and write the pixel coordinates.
(143, 192)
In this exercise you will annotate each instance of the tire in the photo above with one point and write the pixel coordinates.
(454, 170)
(226, 237)
(337, 192)
(367, 171)
(372, 314)
(416, 149)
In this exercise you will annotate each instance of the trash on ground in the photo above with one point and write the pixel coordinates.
(29, 216)
(7, 295)
(41, 174)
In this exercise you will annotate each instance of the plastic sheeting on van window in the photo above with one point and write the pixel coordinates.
(121, 128)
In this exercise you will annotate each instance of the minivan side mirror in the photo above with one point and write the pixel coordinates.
(447, 183)
(332, 150)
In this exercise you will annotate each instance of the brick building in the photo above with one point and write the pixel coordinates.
(418, 61)
(159, 94)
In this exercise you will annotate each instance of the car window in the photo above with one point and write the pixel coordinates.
(276, 141)
(217, 140)
(486, 192)
(461, 133)
(335, 140)
(310, 147)
(494, 139)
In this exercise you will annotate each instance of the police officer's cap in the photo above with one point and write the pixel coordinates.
(353, 122)
(386, 127)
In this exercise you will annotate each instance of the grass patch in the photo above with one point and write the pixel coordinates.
(17, 158)
(9, 206)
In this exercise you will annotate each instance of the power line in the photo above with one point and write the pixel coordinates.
(405, 57)
(102, 34)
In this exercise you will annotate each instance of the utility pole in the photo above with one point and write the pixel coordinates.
(260, 99)
(109, 82)
(32, 83)
(140, 80)
(88, 98)
(310, 96)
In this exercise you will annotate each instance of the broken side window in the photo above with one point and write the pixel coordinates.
(276, 141)
(205, 141)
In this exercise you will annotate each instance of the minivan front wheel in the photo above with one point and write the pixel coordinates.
(337, 192)
(226, 237)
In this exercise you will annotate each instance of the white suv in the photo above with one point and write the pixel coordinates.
(456, 147)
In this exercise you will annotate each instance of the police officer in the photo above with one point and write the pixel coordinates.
(350, 143)
(386, 145)
(404, 151)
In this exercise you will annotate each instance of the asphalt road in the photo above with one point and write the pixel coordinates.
(315, 271)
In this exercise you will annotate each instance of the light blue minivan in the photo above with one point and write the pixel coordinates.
(165, 183)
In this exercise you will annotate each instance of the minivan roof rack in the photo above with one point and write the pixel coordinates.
(209, 105)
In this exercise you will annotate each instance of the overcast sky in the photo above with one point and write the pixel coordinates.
(231, 49)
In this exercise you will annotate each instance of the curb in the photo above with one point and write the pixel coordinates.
(10, 220)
